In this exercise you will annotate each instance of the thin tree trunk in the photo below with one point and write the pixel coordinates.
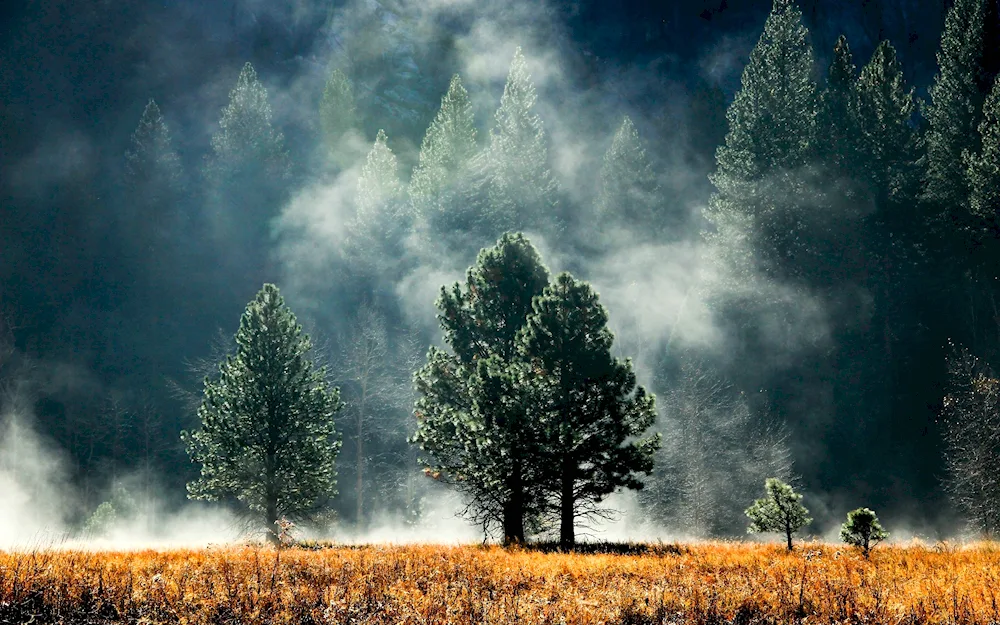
(360, 462)
(567, 535)
(788, 535)
(271, 518)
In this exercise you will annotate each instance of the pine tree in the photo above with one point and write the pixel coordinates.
(472, 422)
(862, 529)
(436, 187)
(153, 184)
(590, 410)
(629, 191)
(247, 174)
(756, 211)
(837, 123)
(780, 510)
(151, 163)
(381, 217)
(267, 434)
(889, 139)
(521, 189)
(337, 111)
(246, 139)
(968, 61)
(983, 169)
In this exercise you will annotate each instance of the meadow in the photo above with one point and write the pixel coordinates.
(667, 583)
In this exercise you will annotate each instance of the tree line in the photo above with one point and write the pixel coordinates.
(851, 195)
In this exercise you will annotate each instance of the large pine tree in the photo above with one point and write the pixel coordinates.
(837, 123)
(758, 211)
(247, 174)
(968, 62)
(472, 421)
(592, 415)
(382, 216)
(338, 114)
(889, 138)
(267, 435)
(983, 169)
(521, 189)
(629, 192)
(442, 172)
(153, 185)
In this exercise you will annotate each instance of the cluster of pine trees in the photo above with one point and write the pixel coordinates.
(851, 195)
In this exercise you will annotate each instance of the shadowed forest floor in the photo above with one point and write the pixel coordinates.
(627, 584)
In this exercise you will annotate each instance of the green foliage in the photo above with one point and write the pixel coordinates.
(588, 406)
(837, 122)
(151, 163)
(760, 212)
(890, 142)
(521, 189)
(267, 435)
(983, 168)
(246, 137)
(629, 190)
(863, 530)
(471, 411)
(780, 510)
(446, 152)
(337, 111)
(955, 109)
(381, 217)
(101, 522)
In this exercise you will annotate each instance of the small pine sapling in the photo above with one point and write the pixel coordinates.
(780, 510)
(863, 530)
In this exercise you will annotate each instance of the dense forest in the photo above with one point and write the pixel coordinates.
(793, 232)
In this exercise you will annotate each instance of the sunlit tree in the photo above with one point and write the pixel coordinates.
(473, 426)
(593, 416)
(780, 511)
(267, 437)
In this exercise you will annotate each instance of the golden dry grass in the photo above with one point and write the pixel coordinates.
(704, 583)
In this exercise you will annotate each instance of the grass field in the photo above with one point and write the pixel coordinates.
(701, 583)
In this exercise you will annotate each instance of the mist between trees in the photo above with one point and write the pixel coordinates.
(791, 308)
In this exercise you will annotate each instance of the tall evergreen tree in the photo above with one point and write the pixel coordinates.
(759, 201)
(472, 422)
(438, 181)
(381, 215)
(968, 61)
(153, 183)
(337, 112)
(629, 190)
(247, 173)
(837, 122)
(521, 189)
(983, 169)
(890, 142)
(592, 414)
(267, 435)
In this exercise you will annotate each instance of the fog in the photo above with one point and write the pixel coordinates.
(111, 323)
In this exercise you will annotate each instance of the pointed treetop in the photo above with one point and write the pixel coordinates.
(629, 189)
(337, 110)
(379, 181)
(150, 153)
(245, 125)
(447, 147)
(771, 118)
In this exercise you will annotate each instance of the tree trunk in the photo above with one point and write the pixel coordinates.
(567, 503)
(359, 488)
(271, 518)
(788, 535)
(513, 509)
